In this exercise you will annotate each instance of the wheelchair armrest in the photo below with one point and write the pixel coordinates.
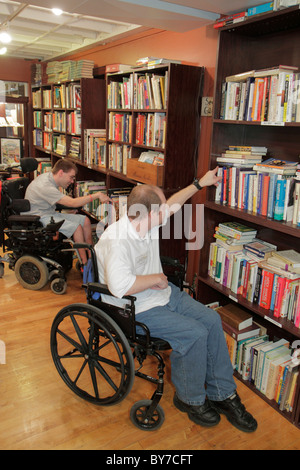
(61, 207)
(103, 289)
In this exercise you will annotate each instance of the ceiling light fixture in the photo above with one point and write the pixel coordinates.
(3, 50)
(5, 38)
(57, 11)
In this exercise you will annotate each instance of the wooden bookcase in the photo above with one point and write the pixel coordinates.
(18, 108)
(59, 118)
(263, 41)
(180, 112)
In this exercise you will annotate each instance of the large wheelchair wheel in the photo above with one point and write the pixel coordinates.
(31, 272)
(92, 354)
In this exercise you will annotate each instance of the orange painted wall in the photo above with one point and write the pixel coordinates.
(18, 70)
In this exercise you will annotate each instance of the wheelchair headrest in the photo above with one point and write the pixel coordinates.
(28, 164)
(15, 189)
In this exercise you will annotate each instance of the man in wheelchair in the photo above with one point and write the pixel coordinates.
(129, 264)
(43, 194)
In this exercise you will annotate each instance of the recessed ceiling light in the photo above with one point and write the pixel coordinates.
(3, 50)
(5, 38)
(57, 11)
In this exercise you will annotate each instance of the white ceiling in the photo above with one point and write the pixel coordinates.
(38, 34)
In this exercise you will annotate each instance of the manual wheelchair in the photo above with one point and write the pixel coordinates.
(95, 346)
(37, 254)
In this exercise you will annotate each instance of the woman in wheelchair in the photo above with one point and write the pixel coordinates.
(129, 264)
(43, 194)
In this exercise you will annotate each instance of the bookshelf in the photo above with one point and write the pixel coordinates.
(156, 110)
(259, 42)
(61, 112)
(13, 129)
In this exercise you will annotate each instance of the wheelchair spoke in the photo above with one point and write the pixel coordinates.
(106, 376)
(94, 379)
(79, 332)
(70, 340)
(80, 371)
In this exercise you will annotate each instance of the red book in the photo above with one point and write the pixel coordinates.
(266, 289)
(265, 194)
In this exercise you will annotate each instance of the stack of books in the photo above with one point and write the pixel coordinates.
(267, 95)
(59, 71)
(288, 260)
(154, 158)
(242, 156)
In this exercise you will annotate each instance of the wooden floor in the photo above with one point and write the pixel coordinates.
(38, 411)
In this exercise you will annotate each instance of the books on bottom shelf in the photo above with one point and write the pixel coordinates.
(249, 270)
(268, 365)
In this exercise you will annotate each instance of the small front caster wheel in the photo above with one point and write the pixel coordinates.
(138, 415)
(58, 286)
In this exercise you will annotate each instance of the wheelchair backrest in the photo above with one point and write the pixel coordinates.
(15, 188)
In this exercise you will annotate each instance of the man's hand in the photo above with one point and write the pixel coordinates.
(102, 197)
(162, 282)
(210, 178)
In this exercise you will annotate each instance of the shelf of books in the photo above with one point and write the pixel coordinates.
(61, 112)
(143, 118)
(251, 254)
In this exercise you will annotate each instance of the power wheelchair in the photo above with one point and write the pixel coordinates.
(37, 254)
(95, 347)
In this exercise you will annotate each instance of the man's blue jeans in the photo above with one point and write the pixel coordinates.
(199, 359)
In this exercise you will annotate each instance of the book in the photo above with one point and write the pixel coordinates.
(282, 167)
(235, 316)
(260, 248)
(263, 8)
(236, 229)
(275, 70)
(288, 260)
(238, 335)
(112, 68)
